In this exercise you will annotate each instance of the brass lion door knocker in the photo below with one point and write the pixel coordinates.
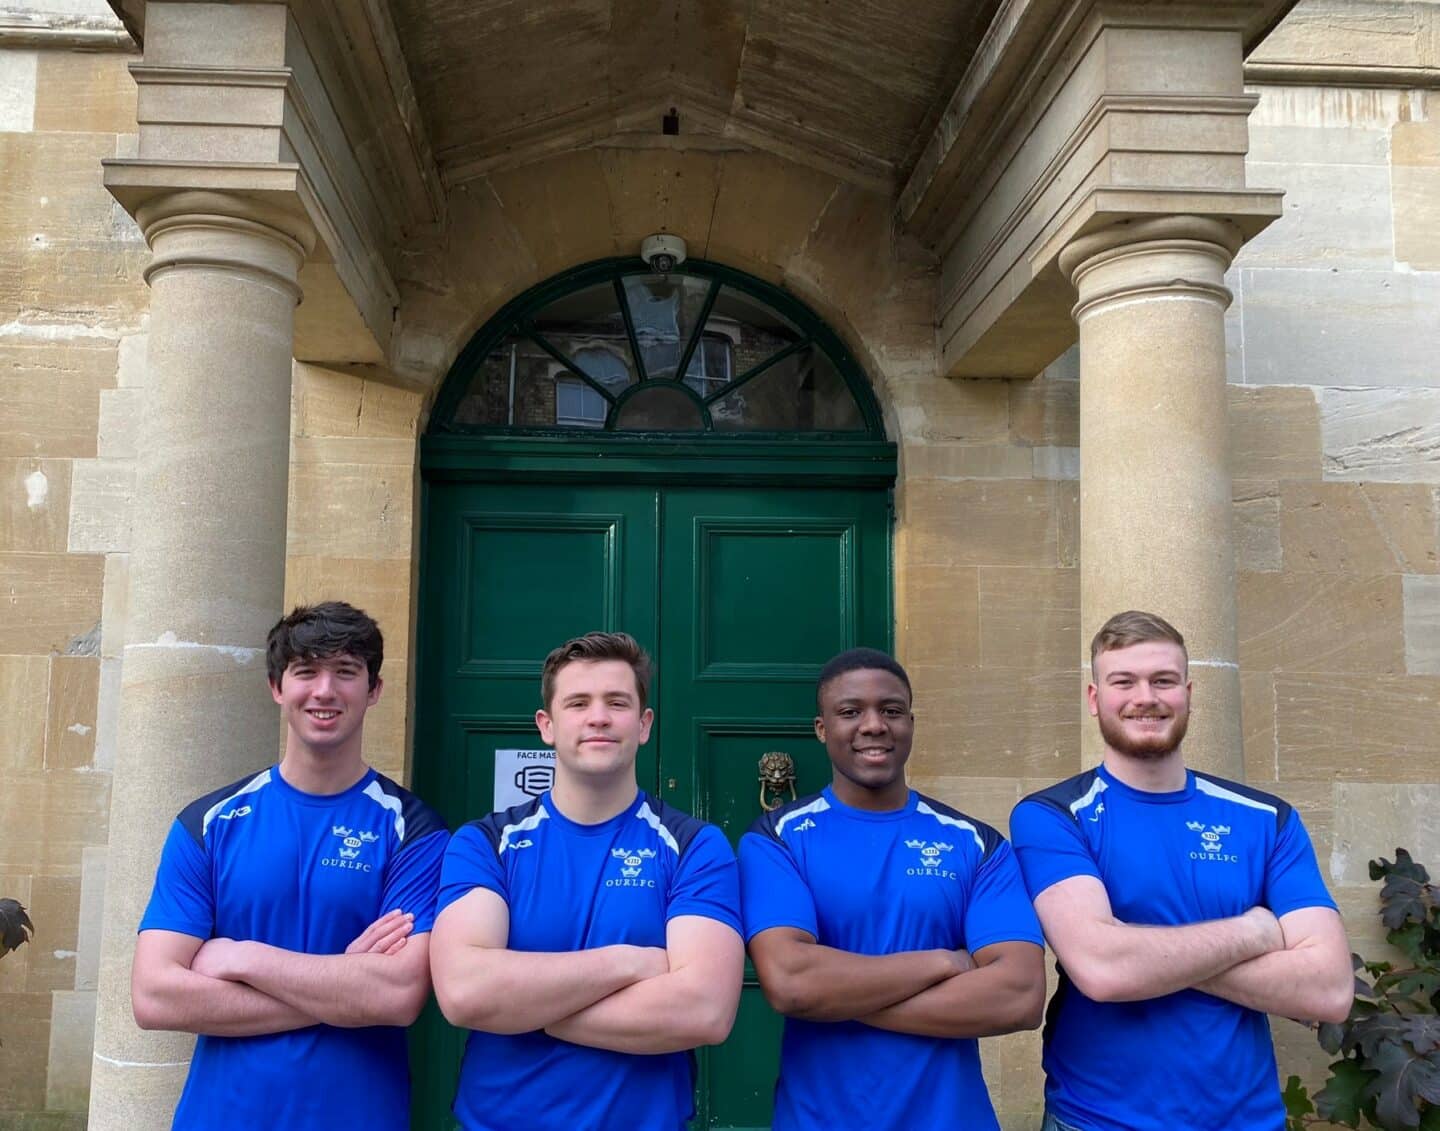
(777, 775)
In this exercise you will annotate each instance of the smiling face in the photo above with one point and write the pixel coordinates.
(594, 719)
(323, 703)
(867, 727)
(1141, 698)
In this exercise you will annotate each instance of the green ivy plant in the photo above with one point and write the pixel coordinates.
(1388, 1074)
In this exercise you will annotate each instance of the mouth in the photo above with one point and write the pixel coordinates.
(323, 716)
(873, 753)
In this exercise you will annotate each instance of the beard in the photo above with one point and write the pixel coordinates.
(1151, 748)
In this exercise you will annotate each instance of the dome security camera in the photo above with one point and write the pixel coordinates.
(662, 253)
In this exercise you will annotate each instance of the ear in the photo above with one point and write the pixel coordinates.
(546, 727)
(374, 696)
(1092, 698)
(647, 720)
(275, 690)
(820, 729)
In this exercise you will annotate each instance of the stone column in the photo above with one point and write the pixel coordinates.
(1155, 511)
(206, 582)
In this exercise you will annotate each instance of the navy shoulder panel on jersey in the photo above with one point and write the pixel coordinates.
(420, 820)
(495, 825)
(989, 837)
(197, 816)
(1064, 795)
(681, 826)
(1245, 795)
(772, 823)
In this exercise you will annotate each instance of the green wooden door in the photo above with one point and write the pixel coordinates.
(739, 593)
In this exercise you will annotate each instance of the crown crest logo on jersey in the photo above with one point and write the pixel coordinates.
(930, 852)
(1210, 838)
(633, 861)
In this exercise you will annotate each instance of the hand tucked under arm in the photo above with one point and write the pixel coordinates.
(167, 994)
(383, 977)
(481, 984)
(801, 978)
(692, 1003)
(1108, 960)
(1310, 979)
(1002, 993)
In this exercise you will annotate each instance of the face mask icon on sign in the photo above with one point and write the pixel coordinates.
(534, 780)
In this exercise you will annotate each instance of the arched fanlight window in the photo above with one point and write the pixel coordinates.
(615, 347)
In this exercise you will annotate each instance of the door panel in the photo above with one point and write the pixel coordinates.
(758, 589)
(740, 594)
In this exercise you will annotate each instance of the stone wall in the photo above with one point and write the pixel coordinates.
(71, 298)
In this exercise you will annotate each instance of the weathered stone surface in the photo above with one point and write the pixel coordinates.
(1056, 463)
(92, 908)
(975, 412)
(1321, 622)
(380, 587)
(33, 513)
(25, 694)
(70, 731)
(1422, 625)
(1045, 412)
(1274, 432)
(1351, 327)
(54, 901)
(26, 1051)
(1384, 435)
(50, 397)
(49, 817)
(1257, 524)
(1352, 32)
(1371, 819)
(764, 209)
(967, 461)
(17, 90)
(384, 745)
(978, 522)
(997, 723)
(119, 433)
(72, 1048)
(1029, 618)
(350, 510)
(101, 494)
(939, 616)
(1334, 214)
(107, 713)
(331, 403)
(16, 966)
(80, 92)
(1257, 708)
(46, 600)
(559, 208)
(659, 190)
(1359, 528)
(1415, 193)
(113, 605)
(1357, 727)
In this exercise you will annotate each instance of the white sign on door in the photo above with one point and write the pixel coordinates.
(522, 775)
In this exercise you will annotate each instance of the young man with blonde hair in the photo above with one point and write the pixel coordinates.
(1182, 909)
(590, 938)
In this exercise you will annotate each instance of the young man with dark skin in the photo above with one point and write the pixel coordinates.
(289, 925)
(891, 930)
(1182, 909)
(589, 938)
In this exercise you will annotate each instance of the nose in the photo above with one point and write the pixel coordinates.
(872, 722)
(323, 686)
(598, 715)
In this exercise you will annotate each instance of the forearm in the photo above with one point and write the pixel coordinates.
(345, 990)
(667, 1013)
(1302, 983)
(183, 1001)
(1136, 963)
(821, 983)
(983, 1002)
(504, 991)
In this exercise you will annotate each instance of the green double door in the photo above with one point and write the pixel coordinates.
(740, 595)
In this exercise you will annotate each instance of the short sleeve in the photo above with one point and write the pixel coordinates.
(1292, 875)
(183, 898)
(1049, 846)
(413, 879)
(773, 893)
(470, 862)
(999, 910)
(706, 881)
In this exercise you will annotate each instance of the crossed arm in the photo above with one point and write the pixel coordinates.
(1296, 966)
(238, 988)
(626, 998)
(938, 993)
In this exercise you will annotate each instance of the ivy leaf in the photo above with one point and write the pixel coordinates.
(1402, 901)
(1403, 866)
(1297, 1099)
(1422, 1031)
(15, 926)
(1403, 1079)
(1330, 1037)
(1343, 1095)
(1410, 941)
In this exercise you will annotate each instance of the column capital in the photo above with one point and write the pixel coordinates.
(1153, 256)
(195, 228)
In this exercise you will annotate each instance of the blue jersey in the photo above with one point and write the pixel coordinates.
(1212, 850)
(923, 877)
(575, 887)
(259, 860)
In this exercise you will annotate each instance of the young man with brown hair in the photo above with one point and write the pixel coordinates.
(589, 938)
(1182, 909)
(290, 921)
